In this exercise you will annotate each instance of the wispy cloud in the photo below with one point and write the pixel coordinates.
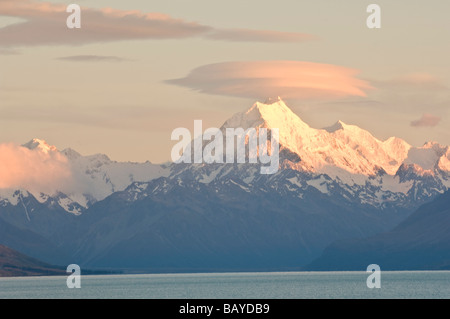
(248, 35)
(427, 120)
(92, 58)
(413, 81)
(419, 92)
(44, 23)
(424, 80)
(9, 52)
(288, 79)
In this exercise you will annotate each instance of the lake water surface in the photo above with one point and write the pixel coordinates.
(281, 285)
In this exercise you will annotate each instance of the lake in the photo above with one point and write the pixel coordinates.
(273, 285)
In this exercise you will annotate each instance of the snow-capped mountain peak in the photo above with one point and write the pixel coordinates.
(270, 114)
(430, 156)
(87, 179)
(344, 153)
(340, 148)
(71, 154)
(39, 144)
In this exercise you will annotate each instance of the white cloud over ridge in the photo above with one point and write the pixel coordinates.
(36, 170)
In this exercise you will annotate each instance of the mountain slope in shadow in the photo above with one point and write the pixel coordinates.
(421, 242)
(15, 264)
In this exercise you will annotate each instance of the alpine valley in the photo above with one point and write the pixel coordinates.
(333, 185)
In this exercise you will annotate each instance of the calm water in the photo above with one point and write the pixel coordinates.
(234, 285)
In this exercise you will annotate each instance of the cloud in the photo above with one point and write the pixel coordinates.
(9, 52)
(413, 81)
(45, 24)
(420, 79)
(92, 58)
(418, 92)
(288, 79)
(426, 120)
(35, 170)
(248, 35)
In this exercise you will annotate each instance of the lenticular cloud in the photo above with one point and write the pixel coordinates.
(33, 169)
(289, 79)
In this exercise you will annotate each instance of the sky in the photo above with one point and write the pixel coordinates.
(136, 70)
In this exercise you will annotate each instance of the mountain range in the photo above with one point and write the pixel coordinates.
(334, 184)
(421, 242)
